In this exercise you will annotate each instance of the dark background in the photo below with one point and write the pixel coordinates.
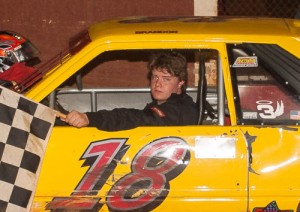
(50, 23)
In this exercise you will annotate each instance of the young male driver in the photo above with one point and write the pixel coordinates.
(171, 105)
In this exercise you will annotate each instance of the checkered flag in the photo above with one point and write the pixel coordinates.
(25, 127)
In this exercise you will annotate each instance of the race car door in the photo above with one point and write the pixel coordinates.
(145, 169)
(268, 107)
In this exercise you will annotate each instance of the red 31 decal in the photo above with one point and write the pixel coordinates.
(151, 170)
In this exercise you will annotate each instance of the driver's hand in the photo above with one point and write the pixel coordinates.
(77, 119)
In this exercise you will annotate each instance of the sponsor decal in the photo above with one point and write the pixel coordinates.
(245, 62)
(268, 111)
(249, 115)
(295, 115)
(271, 207)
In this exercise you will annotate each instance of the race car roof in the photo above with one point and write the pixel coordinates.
(209, 28)
(279, 31)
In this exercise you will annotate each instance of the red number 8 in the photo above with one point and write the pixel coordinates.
(151, 170)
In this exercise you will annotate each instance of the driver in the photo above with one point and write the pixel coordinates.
(170, 106)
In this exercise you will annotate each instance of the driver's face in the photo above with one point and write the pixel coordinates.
(163, 85)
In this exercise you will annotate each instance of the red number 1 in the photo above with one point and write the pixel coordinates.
(103, 152)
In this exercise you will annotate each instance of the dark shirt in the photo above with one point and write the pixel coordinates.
(178, 110)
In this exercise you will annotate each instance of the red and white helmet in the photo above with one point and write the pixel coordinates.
(15, 48)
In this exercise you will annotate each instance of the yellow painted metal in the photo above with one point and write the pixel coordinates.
(275, 165)
(206, 184)
(210, 184)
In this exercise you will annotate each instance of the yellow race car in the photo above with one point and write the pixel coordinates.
(243, 156)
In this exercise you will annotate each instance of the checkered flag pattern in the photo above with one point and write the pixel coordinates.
(25, 128)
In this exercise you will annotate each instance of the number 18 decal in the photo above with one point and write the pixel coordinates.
(144, 188)
(151, 170)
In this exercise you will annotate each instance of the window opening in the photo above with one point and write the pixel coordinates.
(266, 86)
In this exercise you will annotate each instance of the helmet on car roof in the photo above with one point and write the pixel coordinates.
(15, 48)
